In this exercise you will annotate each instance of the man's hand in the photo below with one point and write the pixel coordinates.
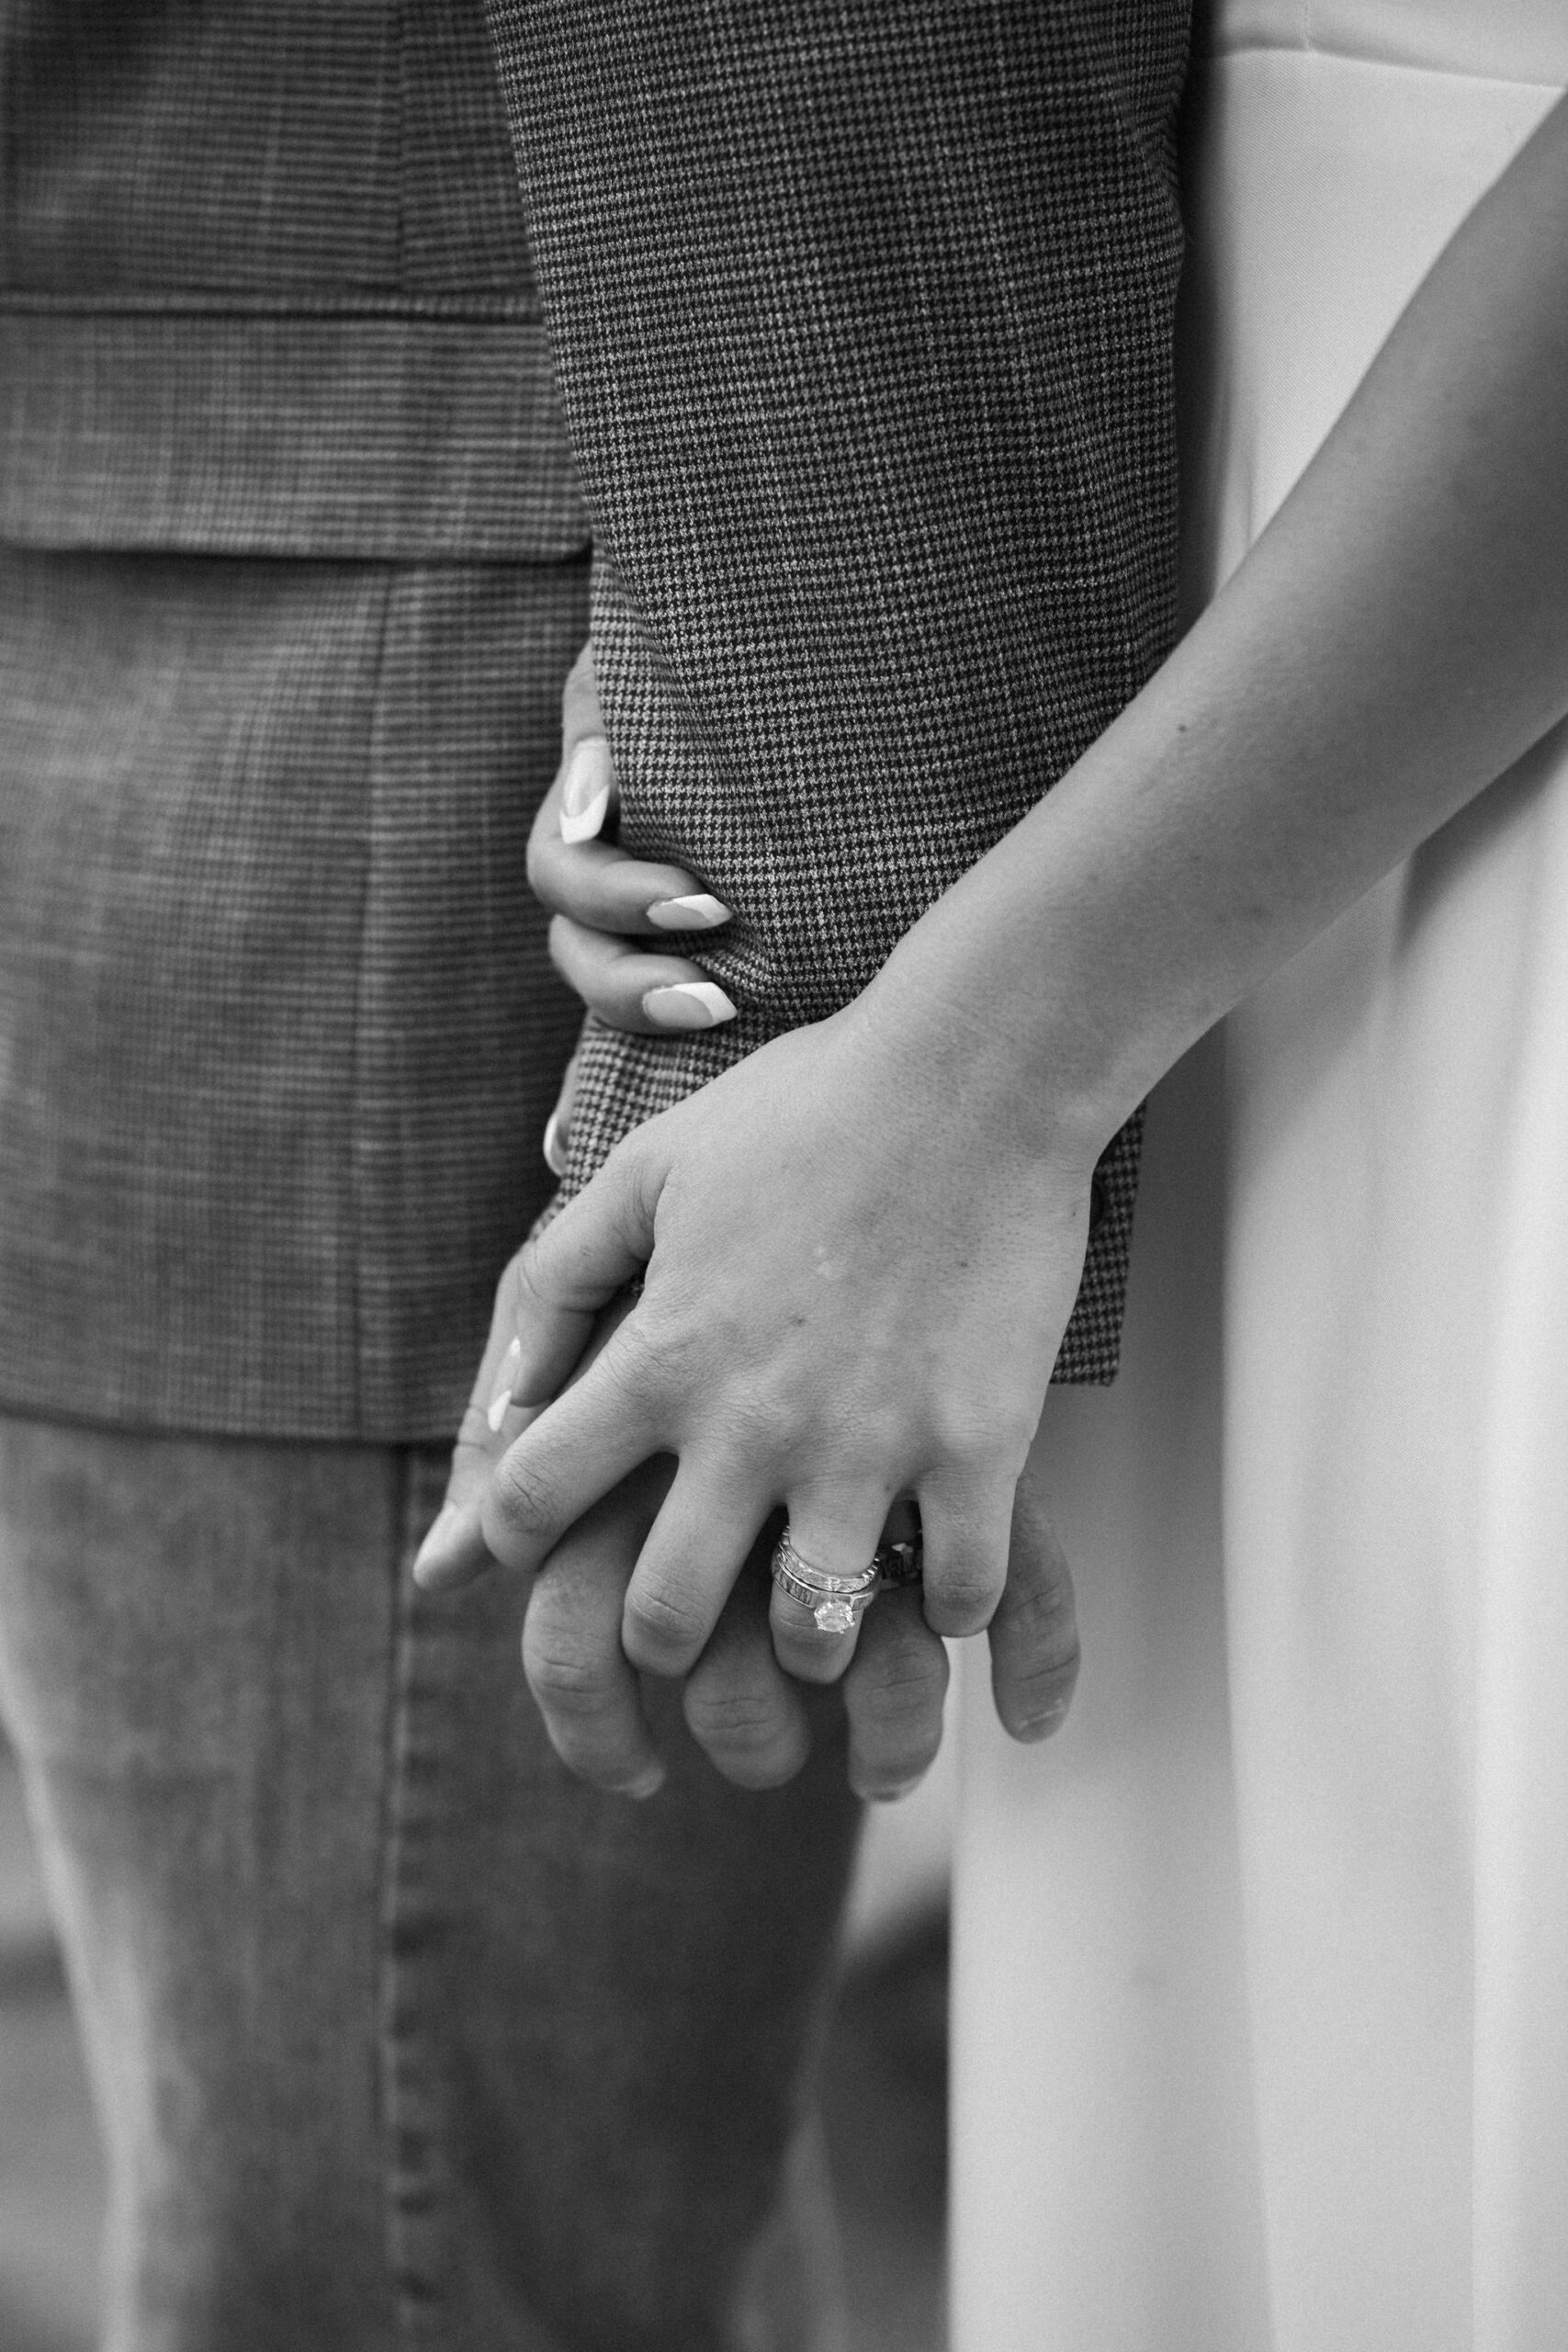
(753, 1720)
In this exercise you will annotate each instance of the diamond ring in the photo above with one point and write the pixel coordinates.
(836, 1603)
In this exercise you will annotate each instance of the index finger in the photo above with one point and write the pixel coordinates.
(455, 1552)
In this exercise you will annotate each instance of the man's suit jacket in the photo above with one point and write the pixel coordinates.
(863, 316)
(292, 560)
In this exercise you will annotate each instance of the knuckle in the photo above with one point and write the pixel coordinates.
(963, 1594)
(743, 1722)
(887, 1765)
(663, 1621)
(522, 1510)
(908, 1683)
(1044, 1621)
(565, 1681)
(988, 1432)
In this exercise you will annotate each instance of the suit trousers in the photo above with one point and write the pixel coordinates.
(399, 2035)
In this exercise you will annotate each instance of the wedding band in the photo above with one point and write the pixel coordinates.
(836, 1603)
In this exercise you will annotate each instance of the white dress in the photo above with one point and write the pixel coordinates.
(1262, 1968)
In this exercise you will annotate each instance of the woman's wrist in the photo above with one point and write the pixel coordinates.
(967, 1018)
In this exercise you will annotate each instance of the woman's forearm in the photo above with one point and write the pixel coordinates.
(1397, 638)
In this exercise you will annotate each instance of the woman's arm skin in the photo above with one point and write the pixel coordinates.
(862, 1242)
(1397, 638)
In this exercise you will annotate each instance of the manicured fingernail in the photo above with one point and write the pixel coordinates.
(647, 1784)
(440, 1528)
(700, 912)
(585, 794)
(556, 1142)
(501, 1397)
(688, 1004)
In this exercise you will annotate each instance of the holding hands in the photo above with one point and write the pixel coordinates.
(843, 1302)
(859, 1247)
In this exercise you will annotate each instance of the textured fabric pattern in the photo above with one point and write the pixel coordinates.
(271, 433)
(402, 2035)
(265, 285)
(259, 146)
(862, 315)
(278, 1030)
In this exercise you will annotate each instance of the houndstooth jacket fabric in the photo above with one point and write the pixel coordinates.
(862, 315)
(292, 563)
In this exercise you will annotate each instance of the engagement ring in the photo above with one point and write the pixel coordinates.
(836, 1603)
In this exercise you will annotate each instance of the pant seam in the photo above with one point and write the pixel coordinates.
(395, 2122)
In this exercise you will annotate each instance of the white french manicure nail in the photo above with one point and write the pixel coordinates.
(699, 911)
(556, 1142)
(688, 1004)
(501, 1397)
(647, 1784)
(585, 793)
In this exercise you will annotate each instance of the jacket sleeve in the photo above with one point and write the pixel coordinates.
(861, 312)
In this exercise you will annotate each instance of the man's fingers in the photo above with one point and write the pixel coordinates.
(893, 1696)
(692, 1556)
(1034, 1633)
(745, 1713)
(965, 1524)
(588, 1694)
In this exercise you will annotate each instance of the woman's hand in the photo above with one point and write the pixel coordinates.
(753, 1721)
(615, 917)
(857, 1279)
